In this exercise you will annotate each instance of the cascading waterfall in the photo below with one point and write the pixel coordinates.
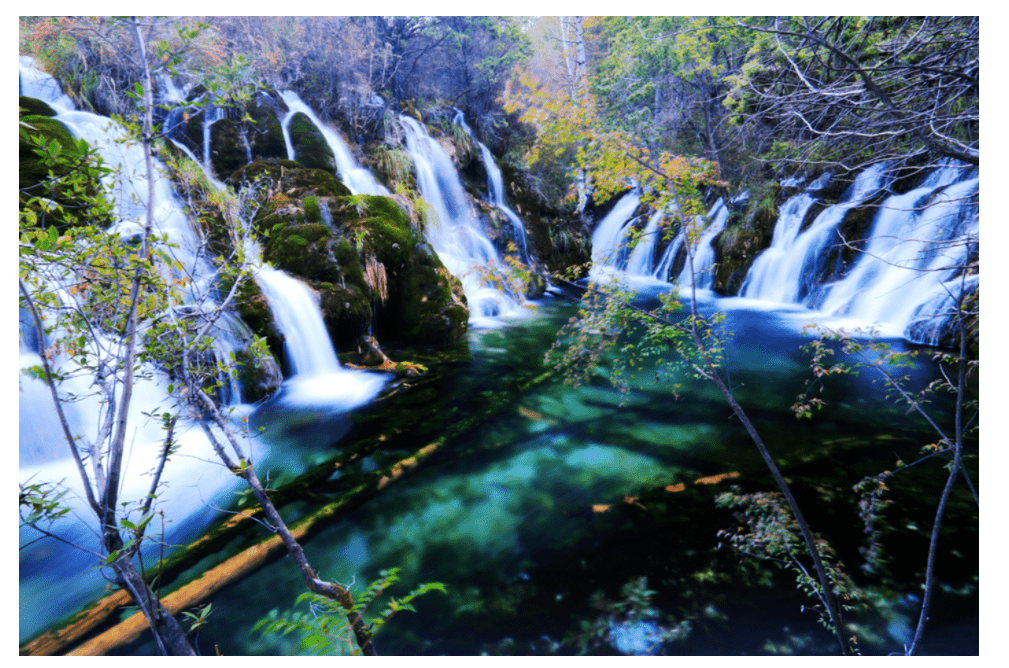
(495, 184)
(358, 179)
(611, 241)
(643, 256)
(919, 241)
(193, 483)
(783, 272)
(210, 116)
(456, 235)
(704, 255)
(608, 251)
(317, 377)
(909, 267)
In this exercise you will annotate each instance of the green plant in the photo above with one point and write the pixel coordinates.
(324, 629)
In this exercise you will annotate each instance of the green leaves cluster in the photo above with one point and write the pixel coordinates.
(632, 345)
(324, 630)
(771, 533)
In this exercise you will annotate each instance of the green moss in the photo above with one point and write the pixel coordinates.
(347, 313)
(302, 250)
(34, 107)
(258, 378)
(310, 147)
(745, 237)
(33, 174)
(555, 234)
(312, 212)
(392, 164)
(255, 313)
(227, 152)
(348, 262)
(266, 137)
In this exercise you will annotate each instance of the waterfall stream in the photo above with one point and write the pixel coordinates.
(495, 185)
(781, 272)
(904, 280)
(612, 255)
(358, 179)
(456, 235)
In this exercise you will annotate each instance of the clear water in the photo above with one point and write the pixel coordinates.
(504, 513)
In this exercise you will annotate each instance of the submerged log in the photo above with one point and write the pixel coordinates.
(246, 562)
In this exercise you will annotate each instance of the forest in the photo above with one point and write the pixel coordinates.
(507, 336)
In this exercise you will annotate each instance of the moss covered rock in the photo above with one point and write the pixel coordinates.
(556, 236)
(423, 303)
(33, 173)
(31, 106)
(373, 271)
(258, 377)
(266, 137)
(227, 149)
(746, 235)
(310, 147)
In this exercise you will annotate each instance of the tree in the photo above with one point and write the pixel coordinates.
(852, 90)
(112, 288)
(110, 308)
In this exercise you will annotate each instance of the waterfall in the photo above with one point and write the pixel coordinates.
(358, 179)
(704, 254)
(210, 116)
(307, 345)
(784, 271)
(908, 269)
(612, 254)
(919, 240)
(456, 235)
(318, 379)
(42, 451)
(643, 256)
(608, 251)
(495, 184)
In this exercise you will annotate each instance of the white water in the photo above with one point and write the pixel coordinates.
(193, 480)
(704, 254)
(783, 271)
(358, 179)
(318, 379)
(456, 235)
(210, 116)
(903, 280)
(607, 248)
(615, 233)
(495, 184)
(918, 241)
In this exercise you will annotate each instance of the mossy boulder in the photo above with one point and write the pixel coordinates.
(34, 107)
(33, 174)
(392, 165)
(302, 250)
(289, 179)
(372, 270)
(227, 149)
(310, 147)
(424, 303)
(265, 135)
(258, 377)
(746, 235)
(347, 312)
(556, 236)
